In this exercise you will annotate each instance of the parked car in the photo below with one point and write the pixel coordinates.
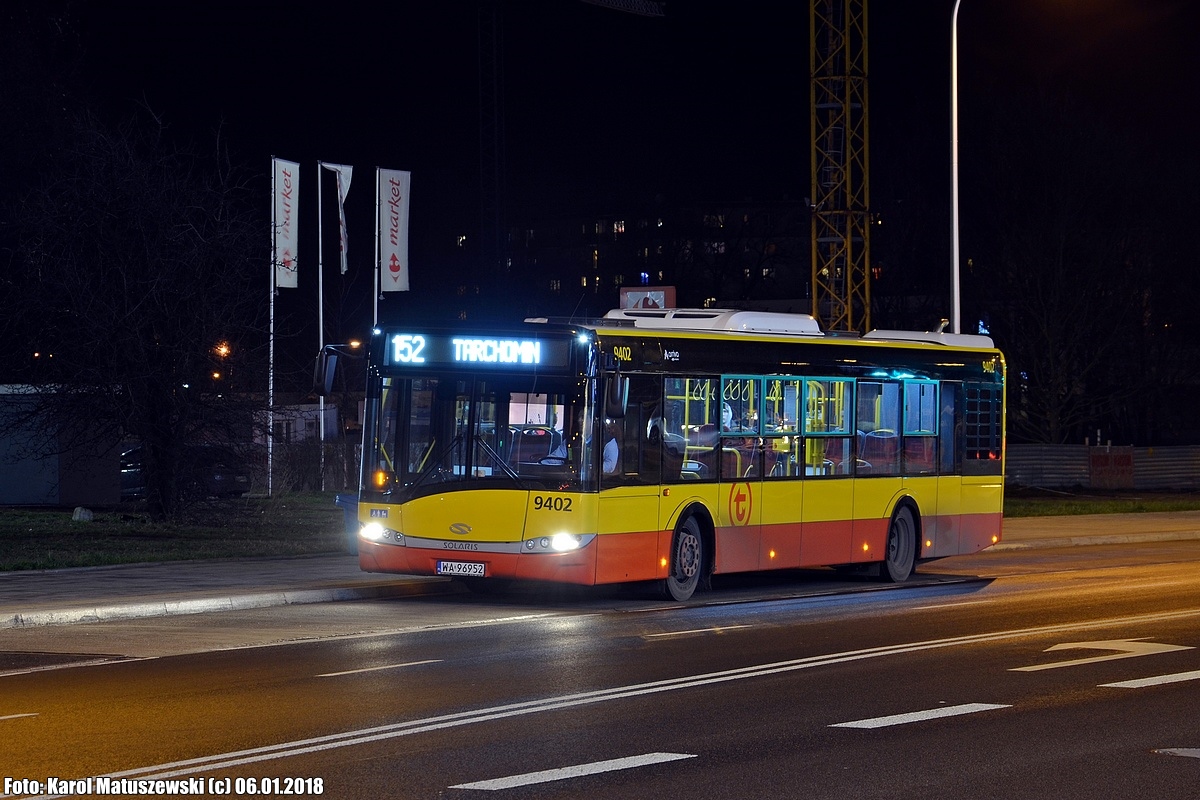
(204, 471)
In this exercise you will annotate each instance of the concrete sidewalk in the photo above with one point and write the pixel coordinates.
(1023, 533)
(64, 596)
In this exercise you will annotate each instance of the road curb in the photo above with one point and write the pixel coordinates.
(146, 609)
(1083, 541)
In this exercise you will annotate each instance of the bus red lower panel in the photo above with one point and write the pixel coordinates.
(977, 530)
(781, 545)
(790, 545)
(827, 542)
(868, 541)
(622, 557)
(738, 548)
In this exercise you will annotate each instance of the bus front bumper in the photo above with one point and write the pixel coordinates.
(574, 562)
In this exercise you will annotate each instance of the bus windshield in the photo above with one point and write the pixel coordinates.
(435, 434)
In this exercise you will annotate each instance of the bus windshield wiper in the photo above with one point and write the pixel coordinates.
(437, 470)
(440, 472)
(504, 465)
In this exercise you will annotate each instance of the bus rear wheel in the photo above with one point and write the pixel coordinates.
(901, 546)
(687, 560)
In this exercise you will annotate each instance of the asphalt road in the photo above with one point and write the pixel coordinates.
(1024, 674)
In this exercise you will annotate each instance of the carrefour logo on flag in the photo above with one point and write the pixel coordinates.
(498, 351)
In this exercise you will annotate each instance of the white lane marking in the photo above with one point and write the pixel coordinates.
(920, 716)
(697, 630)
(1189, 752)
(596, 767)
(1128, 648)
(376, 669)
(351, 738)
(1157, 680)
(18, 716)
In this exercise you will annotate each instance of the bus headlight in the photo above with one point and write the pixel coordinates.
(374, 532)
(558, 543)
(562, 542)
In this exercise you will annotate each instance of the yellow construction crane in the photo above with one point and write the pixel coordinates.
(841, 244)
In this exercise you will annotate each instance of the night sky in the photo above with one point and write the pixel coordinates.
(605, 110)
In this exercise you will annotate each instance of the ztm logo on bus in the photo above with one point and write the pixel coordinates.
(740, 503)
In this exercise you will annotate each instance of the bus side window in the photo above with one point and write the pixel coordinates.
(878, 426)
(691, 435)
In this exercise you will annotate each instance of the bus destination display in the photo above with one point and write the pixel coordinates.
(503, 352)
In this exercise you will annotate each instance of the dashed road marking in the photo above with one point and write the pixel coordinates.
(697, 630)
(920, 716)
(1157, 680)
(594, 768)
(376, 669)
(1188, 752)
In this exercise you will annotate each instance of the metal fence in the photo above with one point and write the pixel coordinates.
(1062, 466)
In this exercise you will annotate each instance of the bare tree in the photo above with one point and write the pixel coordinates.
(134, 262)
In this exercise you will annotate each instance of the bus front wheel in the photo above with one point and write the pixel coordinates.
(901, 546)
(687, 560)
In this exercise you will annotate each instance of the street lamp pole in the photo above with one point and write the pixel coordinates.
(955, 304)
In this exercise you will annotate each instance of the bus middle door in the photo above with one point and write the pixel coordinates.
(739, 509)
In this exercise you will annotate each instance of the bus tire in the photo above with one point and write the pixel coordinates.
(687, 560)
(901, 549)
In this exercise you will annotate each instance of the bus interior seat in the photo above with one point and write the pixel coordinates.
(881, 445)
(531, 445)
(920, 453)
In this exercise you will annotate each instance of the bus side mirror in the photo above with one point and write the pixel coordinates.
(324, 371)
(326, 367)
(616, 397)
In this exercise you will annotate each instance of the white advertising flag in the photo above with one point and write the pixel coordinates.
(343, 187)
(286, 207)
(392, 212)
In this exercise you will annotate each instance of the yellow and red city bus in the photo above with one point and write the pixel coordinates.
(672, 445)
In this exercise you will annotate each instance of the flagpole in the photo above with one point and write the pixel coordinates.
(376, 286)
(321, 311)
(271, 339)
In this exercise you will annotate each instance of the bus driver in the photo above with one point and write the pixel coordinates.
(612, 451)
